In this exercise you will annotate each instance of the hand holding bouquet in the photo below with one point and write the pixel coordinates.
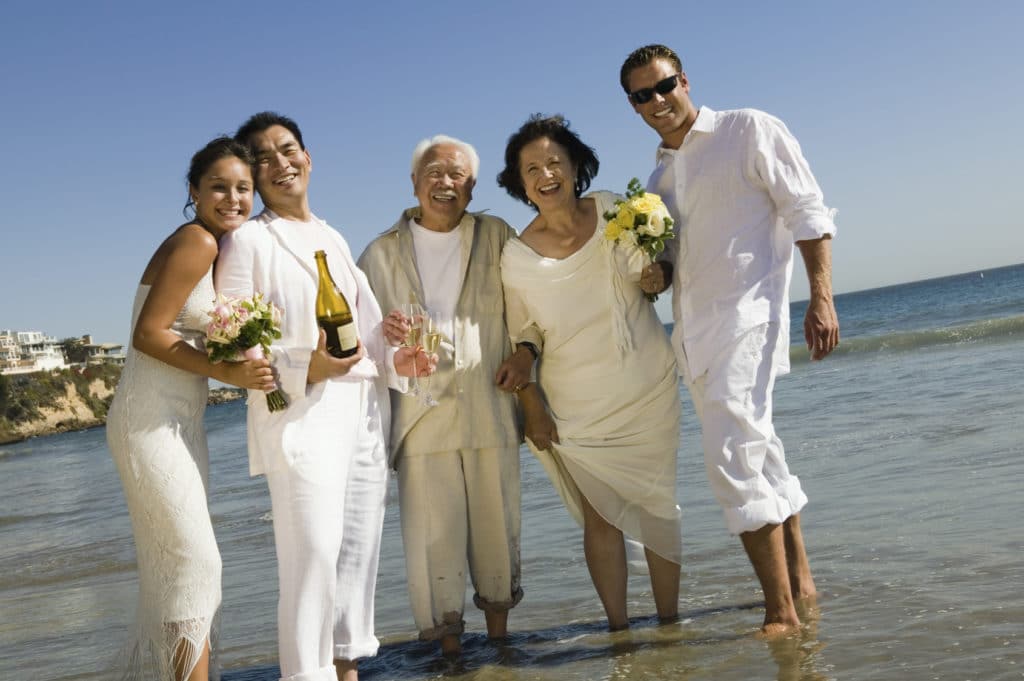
(641, 220)
(244, 328)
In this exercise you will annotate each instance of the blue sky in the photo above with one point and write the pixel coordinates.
(909, 113)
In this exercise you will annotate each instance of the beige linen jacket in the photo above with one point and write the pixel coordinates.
(473, 413)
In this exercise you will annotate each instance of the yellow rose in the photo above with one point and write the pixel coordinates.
(612, 230)
(643, 204)
(626, 217)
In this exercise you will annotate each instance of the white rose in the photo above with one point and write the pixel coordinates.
(655, 222)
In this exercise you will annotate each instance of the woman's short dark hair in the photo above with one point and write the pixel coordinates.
(263, 120)
(555, 128)
(215, 150)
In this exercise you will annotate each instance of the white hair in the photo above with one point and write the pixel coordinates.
(426, 145)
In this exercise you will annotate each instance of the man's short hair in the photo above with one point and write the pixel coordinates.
(642, 56)
(266, 119)
(429, 143)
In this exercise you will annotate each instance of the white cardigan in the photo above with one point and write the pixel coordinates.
(259, 257)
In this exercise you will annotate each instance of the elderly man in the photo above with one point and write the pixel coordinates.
(458, 461)
(741, 194)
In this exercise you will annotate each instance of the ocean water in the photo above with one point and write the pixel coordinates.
(907, 440)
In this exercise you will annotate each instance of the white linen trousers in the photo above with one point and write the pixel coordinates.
(743, 456)
(328, 508)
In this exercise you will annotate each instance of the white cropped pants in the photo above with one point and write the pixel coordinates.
(743, 457)
(328, 509)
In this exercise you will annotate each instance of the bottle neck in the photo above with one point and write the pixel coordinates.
(323, 272)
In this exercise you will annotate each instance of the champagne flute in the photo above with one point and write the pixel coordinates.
(431, 340)
(414, 314)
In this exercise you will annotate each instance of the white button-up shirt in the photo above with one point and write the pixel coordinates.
(741, 194)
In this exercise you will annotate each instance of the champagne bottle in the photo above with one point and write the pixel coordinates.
(333, 313)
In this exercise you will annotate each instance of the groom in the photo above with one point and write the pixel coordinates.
(325, 456)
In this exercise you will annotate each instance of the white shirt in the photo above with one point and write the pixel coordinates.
(741, 194)
(439, 263)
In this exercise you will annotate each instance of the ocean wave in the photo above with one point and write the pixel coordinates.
(986, 331)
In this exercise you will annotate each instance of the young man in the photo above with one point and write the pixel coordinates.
(325, 456)
(741, 195)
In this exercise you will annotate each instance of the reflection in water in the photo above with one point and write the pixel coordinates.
(798, 656)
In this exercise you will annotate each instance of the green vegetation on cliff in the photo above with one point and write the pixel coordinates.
(49, 402)
(24, 396)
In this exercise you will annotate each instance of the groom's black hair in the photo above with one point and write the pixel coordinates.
(263, 120)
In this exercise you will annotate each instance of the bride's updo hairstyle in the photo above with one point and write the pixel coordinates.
(215, 150)
(555, 128)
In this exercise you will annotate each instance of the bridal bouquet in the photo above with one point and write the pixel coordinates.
(641, 220)
(244, 328)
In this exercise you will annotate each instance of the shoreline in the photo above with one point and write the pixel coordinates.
(73, 415)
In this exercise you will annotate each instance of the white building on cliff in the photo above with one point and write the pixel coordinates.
(23, 352)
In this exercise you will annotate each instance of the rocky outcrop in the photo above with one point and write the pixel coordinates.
(49, 403)
(70, 412)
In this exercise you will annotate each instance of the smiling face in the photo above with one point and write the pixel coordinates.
(224, 196)
(671, 114)
(443, 185)
(548, 173)
(282, 168)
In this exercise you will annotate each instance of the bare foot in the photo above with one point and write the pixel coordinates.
(777, 630)
(451, 645)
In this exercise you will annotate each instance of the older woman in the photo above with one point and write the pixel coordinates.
(604, 420)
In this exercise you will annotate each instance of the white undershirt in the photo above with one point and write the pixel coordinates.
(312, 236)
(439, 262)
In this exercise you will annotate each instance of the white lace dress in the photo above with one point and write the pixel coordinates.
(158, 443)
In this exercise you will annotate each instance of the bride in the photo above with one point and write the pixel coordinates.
(155, 425)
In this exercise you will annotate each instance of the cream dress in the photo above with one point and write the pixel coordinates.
(158, 443)
(609, 377)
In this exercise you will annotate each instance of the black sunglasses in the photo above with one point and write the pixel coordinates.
(662, 87)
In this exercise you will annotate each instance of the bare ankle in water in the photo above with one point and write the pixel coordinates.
(451, 645)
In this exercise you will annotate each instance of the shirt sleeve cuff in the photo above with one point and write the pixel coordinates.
(395, 382)
(292, 368)
(815, 226)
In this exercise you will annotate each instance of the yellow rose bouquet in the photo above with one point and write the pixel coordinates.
(640, 220)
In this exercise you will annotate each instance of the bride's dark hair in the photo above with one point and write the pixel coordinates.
(215, 150)
(555, 128)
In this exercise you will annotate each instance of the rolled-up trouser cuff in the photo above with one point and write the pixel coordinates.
(453, 625)
(774, 511)
(322, 674)
(353, 651)
(498, 606)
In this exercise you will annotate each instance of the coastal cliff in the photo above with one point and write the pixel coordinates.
(45, 403)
